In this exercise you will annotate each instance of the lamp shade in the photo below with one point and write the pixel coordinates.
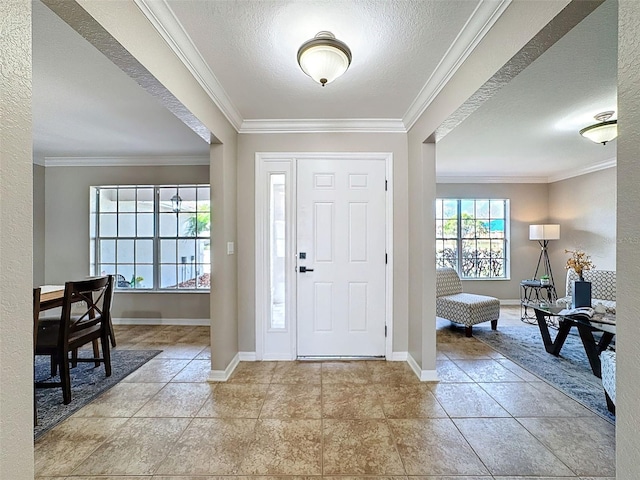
(324, 58)
(544, 232)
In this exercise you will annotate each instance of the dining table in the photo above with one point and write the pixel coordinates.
(51, 296)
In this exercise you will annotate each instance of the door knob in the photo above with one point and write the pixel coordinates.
(305, 269)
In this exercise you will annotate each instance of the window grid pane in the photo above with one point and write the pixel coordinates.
(127, 236)
(277, 260)
(471, 236)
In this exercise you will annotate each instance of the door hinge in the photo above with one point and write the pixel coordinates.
(385, 185)
(385, 331)
(386, 258)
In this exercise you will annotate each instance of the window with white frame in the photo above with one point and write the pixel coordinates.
(152, 237)
(472, 236)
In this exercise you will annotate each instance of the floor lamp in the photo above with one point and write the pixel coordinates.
(544, 233)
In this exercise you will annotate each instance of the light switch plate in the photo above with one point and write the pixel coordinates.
(231, 248)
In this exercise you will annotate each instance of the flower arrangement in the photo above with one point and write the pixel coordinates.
(579, 261)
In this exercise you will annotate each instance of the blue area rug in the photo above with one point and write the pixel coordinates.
(87, 382)
(570, 372)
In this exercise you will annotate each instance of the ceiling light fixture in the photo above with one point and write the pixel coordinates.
(602, 132)
(324, 58)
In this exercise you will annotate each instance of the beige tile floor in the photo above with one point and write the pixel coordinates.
(486, 419)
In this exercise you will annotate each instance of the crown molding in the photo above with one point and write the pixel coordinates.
(574, 172)
(159, 13)
(121, 161)
(474, 30)
(596, 167)
(163, 19)
(335, 125)
(490, 179)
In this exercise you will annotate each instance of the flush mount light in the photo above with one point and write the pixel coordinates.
(602, 132)
(324, 58)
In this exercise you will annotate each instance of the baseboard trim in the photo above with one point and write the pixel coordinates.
(398, 357)
(277, 357)
(423, 375)
(200, 322)
(429, 376)
(514, 301)
(247, 356)
(223, 375)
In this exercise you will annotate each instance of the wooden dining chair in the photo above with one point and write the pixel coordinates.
(77, 327)
(112, 334)
(36, 316)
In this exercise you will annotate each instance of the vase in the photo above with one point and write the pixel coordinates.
(581, 294)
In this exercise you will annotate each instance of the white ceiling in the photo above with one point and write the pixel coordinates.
(85, 106)
(530, 128)
(251, 48)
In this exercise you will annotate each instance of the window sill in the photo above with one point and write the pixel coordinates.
(161, 292)
(486, 279)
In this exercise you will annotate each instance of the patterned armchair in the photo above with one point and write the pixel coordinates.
(467, 309)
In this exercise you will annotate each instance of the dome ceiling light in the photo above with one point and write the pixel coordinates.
(324, 58)
(602, 132)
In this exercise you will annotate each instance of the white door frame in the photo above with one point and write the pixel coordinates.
(264, 164)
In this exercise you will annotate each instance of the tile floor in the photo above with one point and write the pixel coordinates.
(486, 419)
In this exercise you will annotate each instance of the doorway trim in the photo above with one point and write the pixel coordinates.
(264, 163)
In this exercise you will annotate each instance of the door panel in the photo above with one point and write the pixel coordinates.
(341, 227)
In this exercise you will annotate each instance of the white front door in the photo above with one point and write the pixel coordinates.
(341, 231)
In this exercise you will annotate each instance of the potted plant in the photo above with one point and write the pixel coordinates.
(545, 280)
(579, 262)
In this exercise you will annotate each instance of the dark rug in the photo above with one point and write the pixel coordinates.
(570, 372)
(87, 382)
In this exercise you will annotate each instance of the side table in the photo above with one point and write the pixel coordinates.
(532, 291)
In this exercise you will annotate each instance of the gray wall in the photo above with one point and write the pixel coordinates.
(67, 233)
(248, 145)
(585, 208)
(528, 205)
(224, 279)
(628, 240)
(133, 31)
(16, 247)
(38, 225)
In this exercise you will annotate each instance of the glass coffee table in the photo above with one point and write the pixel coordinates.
(604, 323)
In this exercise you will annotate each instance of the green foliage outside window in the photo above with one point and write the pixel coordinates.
(199, 223)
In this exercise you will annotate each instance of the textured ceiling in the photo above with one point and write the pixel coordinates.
(251, 48)
(83, 105)
(530, 128)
